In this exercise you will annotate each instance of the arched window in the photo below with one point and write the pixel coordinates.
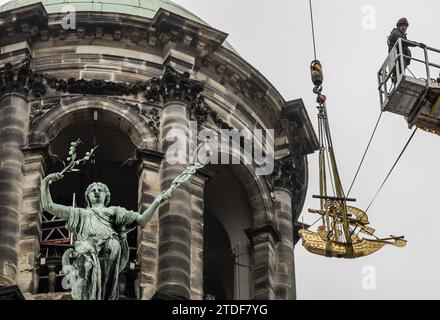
(227, 253)
(116, 166)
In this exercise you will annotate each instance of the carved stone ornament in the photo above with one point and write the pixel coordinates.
(152, 116)
(285, 174)
(178, 86)
(97, 87)
(174, 86)
(19, 77)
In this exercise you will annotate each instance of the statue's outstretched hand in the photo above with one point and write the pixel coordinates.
(53, 177)
(164, 196)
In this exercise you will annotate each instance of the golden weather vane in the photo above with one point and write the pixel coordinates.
(336, 235)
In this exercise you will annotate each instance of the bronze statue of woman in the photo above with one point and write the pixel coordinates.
(100, 248)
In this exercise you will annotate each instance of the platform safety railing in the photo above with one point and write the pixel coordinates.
(395, 67)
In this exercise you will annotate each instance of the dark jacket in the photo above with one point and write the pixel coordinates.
(392, 39)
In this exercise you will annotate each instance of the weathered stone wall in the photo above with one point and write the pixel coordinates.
(197, 190)
(285, 285)
(13, 132)
(174, 273)
(121, 52)
(31, 220)
(147, 255)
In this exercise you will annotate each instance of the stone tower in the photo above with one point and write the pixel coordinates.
(107, 73)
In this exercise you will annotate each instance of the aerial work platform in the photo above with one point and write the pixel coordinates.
(412, 91)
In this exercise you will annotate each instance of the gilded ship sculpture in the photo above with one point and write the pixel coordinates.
(343, 231)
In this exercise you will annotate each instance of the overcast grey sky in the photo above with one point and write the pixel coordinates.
(275, 37)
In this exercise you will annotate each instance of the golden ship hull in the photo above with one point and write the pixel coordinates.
(315, 243)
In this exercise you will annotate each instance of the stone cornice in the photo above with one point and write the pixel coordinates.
(247, 83)
(300, 132)
(199, 40)
(24, 22)
(252, 90)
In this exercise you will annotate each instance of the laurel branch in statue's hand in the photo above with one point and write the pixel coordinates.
(54, 177)
(164, 196)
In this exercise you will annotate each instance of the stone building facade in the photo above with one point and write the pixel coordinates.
(123, 78)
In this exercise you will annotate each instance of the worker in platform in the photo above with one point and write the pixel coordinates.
(400, 32)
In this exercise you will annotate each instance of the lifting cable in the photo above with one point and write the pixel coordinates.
(377, 122)
(392, 169)
(369, 142)
(313, 27)
(365, 153)
(386, 178)
(315, 55)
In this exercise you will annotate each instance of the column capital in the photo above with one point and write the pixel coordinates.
(37, 148)
(149, 159)
(285, 174)
(36, 152)
(16, 76)
(264, 233)
(150, 155)
(175, 86)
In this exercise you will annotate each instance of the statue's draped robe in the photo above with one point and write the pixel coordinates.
(101, 249)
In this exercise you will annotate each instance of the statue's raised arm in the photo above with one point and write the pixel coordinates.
(48, 205)
(146, 216)
(165, 196)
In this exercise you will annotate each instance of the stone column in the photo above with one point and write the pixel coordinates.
(285, 288)
(197, 208)
(30, 221)
(13, 132)
(286, 181)
(174, 216)
(264, 239)
(149, 189)
(178, 93)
